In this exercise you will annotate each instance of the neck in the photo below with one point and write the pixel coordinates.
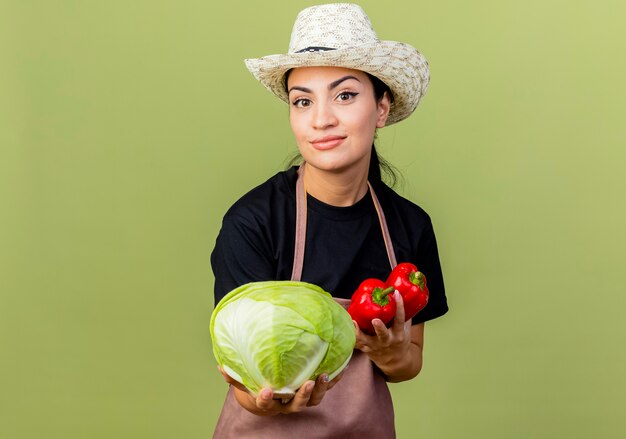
(339, 189)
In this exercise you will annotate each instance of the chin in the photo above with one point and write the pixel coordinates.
(328, 165)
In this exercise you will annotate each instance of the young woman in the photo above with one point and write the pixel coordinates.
(331, 221)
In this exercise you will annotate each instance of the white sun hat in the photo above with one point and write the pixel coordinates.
(342, 35)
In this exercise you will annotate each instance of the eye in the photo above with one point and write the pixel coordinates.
(301, 102)
(346, 95)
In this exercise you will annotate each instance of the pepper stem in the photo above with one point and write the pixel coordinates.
(380, 296)
(417, 278)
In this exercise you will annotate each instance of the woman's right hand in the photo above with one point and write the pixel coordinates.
(309, 394)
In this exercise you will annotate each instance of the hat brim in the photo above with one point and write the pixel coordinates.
(399, 65)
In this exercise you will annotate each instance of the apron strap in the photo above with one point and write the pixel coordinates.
(298, 256)
(383, 226)
(301, 213)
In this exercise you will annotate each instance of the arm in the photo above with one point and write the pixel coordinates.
(241, 254)
(396, 351)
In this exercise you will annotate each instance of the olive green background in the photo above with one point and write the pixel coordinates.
(127, 128)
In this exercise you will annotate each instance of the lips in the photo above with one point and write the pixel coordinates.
(327, 142)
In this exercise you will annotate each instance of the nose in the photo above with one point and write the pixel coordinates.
(324, 116)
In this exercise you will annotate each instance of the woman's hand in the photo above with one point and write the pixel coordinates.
(396, 351)
(309, 394)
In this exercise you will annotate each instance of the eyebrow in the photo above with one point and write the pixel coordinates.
(340, 80)
(331, 86)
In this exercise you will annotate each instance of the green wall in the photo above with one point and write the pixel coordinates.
(127, 128)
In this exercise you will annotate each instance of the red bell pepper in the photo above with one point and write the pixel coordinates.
(411, 284)
(371, 300)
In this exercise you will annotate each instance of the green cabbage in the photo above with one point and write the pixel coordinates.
(279, 334)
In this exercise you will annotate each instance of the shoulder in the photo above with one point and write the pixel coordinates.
(409, 224)
(261, 201)
(401, 209)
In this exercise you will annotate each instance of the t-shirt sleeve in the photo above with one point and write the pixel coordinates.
(427, 262)
(241, 255)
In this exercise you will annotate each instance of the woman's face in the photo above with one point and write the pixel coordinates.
(334, 115)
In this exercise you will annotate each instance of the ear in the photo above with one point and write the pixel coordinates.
(382, 108)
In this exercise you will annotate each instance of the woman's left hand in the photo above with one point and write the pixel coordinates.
(397, 351)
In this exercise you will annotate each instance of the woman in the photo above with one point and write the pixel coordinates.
(332, 221)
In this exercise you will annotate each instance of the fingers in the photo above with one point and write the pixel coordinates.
(401, 327)
(364, 342)
(396, 326)
(232, 381)
(385, 338)
(226, 377)
(303, 395)
(262, 404)
(319, 390)
(360, 336)
(381, 330)
(265, 401)
(398, 323)
(309, 394)
(323, 385)
(335, 380)
(398, 320)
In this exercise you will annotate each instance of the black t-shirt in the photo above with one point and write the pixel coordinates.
(344, 245)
